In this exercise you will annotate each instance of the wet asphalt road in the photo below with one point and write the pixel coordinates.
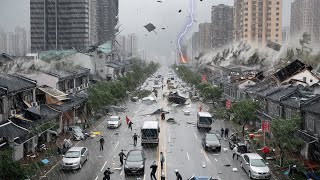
(180, 142)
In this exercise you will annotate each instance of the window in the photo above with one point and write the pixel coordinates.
(277, 14)
(288, 113)
(277, 24)
(278, 3)
(310, 123)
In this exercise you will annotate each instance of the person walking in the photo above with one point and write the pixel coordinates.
(162, 159)
(178, 175)
(163, 177)
(163, 116)
(130, 125)
(135, 139)
(127, 120)
(200, 108)
(243, 129)
(107, 174)
(101, 143)
(226, 133)
(121, 155)
(222, 132)
(153, 171)
(235, 152)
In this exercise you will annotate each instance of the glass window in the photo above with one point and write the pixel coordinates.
(134, 156)
(258, 163)
(72, 154)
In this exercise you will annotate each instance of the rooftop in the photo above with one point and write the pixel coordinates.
(278, 95)
(14, 83)
(11, 130)
(290, 70)
(61, 73)
(313, 106)
(55, 55)
(69, 104)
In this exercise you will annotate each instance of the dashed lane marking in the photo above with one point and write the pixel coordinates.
(196, 136)
(96, 178)
(144, 177)
(121, 173)
(103, 166)
(116, 145)
(188, 156)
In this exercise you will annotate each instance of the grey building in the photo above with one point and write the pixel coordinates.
(204, 36)
(195, 44)
(221, 25)
(107, 11)
(305, 18)
(62, 24)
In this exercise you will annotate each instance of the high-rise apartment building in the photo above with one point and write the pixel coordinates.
(258, 21)
(305, 17)
(221, 25)
(108, 11)
(285, 34)
(11, 44)
(132, 45)
(195, 44)
(62, 24)
(204, 35)
(3, 41)
(21, 41)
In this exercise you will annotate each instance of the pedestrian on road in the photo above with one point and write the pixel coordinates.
(178, 175)
(200, 108)
(121, 155)
(162, 86)
(162, 159)
(127, 120)
(130, 125)
(235, 152)
(222, 132)
(163, 116)
(135, 139)
(153, 171)
(226, 133)
(163, 177)
(107, 174)
(101, 143)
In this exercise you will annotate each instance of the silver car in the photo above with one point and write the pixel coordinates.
(255, 166)
(76, 132)
(74, 158)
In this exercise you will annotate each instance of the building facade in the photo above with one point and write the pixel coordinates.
(204, 36)
(258, 21)
(3, 41)
(108, 11)
(305, 18)
(62, 24)
(21, 41)
(221, 25)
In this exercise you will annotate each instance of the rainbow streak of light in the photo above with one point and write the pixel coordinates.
(185, 31)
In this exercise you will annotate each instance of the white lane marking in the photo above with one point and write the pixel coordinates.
(116, 145)
(196, 136)
(103, 166)
(188, 156)
(144, 177)
(205, 156)
(121, 173)
(96, 178)
(169, 139)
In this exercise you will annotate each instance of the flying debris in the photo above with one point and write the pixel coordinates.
(146, 34)
(180, 11)
(273, 45)
(163, 28)
(195, 21)
(150, 27)
(159, 1)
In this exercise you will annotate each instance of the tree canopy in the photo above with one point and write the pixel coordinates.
(245, 110)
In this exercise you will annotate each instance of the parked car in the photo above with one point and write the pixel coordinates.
(233, 140)
(135, 162)
(114, 122)
(211, 142)
(255, 166)
(74, 158)
(201, 178)
(77, 133)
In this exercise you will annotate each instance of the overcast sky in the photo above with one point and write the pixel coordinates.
(134, 14)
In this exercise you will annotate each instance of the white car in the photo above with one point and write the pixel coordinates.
(76, 132)
(255, 166)
(114, 122)
(74, 158)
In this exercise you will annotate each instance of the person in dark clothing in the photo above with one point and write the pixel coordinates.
(163, 116)
(163, 177)
(162, 159)
(226, 133)
(135, 139)
(243, 128)
(222, 132)
(121, 155)
(153, 171)
(130, 125)
(107, 174)
(178, 175)
(101, 143)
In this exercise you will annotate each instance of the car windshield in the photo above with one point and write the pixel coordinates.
(153, 133)
(72, 154)
(134, 156)
(211, 137)
(257, 163)
(114, 118)
(206, 120)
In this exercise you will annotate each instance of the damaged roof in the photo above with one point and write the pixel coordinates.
(313, 106)
(290, 70)
(56, 55)
(14, 83)
(69, 104)
(11, 130)
(106, 47)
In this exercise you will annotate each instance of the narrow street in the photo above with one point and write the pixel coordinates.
(180, 142)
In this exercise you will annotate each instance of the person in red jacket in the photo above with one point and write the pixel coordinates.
(127, 120)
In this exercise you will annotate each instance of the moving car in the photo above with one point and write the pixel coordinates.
(201, 178)
(255, 166)
(77, 133)
(211, 142)
(74, 158)
(150, 133)
(114, 122)
(135, 162)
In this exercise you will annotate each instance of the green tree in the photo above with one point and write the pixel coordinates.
(283, 130)
(245, 110)
(213, 93)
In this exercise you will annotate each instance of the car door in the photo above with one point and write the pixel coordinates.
(246, 164)
(83, 157)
